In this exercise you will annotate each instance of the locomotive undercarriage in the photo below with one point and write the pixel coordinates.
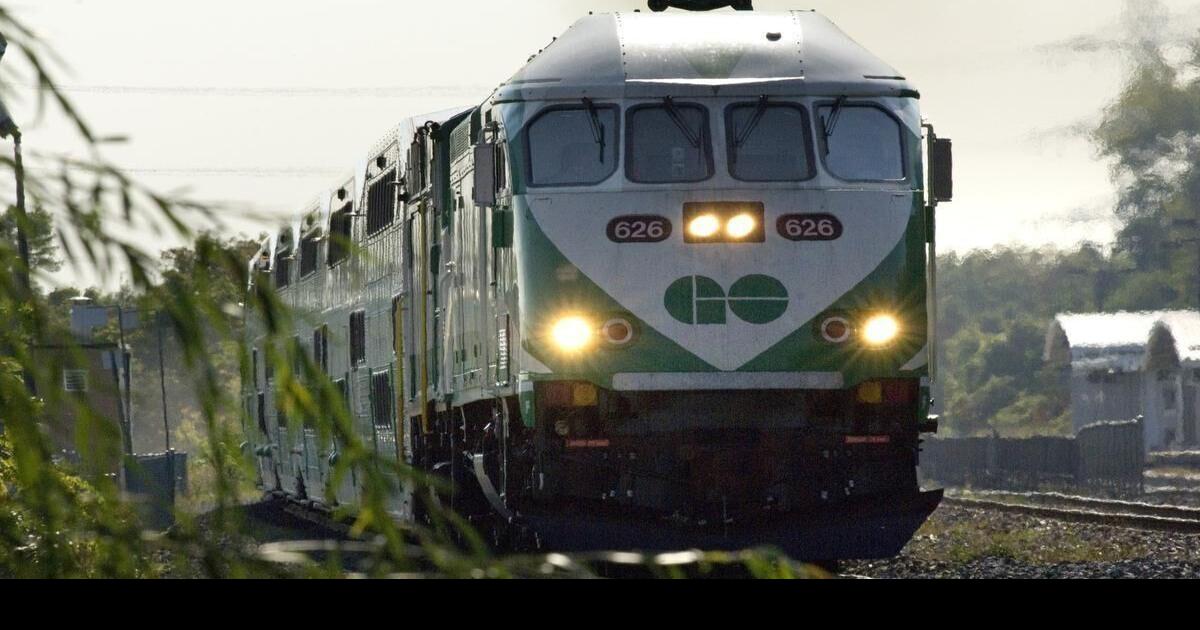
(820, 474)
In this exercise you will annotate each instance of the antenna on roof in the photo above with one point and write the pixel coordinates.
(700, 5)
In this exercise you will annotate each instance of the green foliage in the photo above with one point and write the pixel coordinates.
(1149, 133)
(39, 232)
(52, 522)
(994, 309)
(57, 526)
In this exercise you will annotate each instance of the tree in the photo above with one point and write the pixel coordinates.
(203, 276)
(1151, 132)
(43, 242)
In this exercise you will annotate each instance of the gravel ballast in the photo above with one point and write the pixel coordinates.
(960, 542)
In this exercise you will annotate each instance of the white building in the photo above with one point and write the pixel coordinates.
(1122, 365)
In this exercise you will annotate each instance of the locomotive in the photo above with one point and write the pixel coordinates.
(669, 286)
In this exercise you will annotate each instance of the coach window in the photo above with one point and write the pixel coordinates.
(308, 253)
(321, 348)
(381, 399)
(358, 337)
(381, 203)
(297, 357)
(768, 142)
(283, 263)
(261, 412)
(861, 142)
(572, 145)
(339, 234)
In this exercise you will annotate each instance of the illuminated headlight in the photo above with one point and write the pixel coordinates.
(571, 334)
(880, 330)
(740, 226)
(704, 226)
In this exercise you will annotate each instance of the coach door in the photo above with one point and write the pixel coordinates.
(417, 277)
(398, 373)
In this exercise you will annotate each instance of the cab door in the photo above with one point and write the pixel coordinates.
(491, 194)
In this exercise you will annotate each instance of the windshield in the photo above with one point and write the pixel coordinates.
(861, 143)
(668, 143)
(768, 142)
(574, 145)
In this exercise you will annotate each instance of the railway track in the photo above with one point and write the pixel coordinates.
(302, 533)
(1129, 514)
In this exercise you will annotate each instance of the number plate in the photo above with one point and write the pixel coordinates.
(809, 227)
(639, 228)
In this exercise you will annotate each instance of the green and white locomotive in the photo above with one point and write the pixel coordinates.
(668, 287)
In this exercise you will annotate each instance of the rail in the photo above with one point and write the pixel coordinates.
(1094, 511)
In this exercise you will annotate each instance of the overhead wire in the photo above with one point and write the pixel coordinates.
(287, 91)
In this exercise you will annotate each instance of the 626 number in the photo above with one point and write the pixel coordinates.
(639, 228)
(809, 227)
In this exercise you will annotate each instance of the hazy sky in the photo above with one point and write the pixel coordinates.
(185, 81)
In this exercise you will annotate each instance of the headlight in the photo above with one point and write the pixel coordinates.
(571, 334)
(880, 330)
(740, 226)
(704, 226)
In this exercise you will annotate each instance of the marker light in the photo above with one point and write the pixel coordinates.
(835, 329)
(571, 334)
(617, 331)
(880, 330)
(740, 226)
(704, 226)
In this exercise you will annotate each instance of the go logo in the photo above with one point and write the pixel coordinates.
(756, 299)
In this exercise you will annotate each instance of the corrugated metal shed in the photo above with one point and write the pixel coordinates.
(1122, 365)
(1184, 327)
(1119, 341)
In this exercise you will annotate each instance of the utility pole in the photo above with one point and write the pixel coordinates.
(8, 128)
(162, 380)
(21, 218)
(123, 385)
(126, 359)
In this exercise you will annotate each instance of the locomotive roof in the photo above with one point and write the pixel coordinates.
(723, 53)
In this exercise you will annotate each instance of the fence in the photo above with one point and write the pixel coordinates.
(1106, 456)
(1115, 457)
(153, 481)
